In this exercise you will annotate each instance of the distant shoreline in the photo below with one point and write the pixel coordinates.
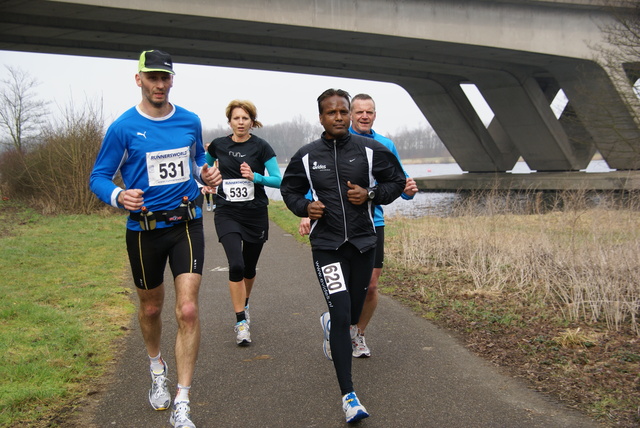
(439, 160)
(414, 161)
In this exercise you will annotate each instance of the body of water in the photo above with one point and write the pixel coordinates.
(438, 203)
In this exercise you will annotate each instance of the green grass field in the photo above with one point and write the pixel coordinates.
(63, 304)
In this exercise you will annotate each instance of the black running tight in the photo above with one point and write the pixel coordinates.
(242, 256)
(344, 276)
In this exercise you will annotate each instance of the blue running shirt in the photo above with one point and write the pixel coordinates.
(161, 156)
(378, 215)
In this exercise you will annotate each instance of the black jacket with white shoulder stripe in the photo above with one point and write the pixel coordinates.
(323, 168)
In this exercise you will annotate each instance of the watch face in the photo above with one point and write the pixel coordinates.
(372, 194)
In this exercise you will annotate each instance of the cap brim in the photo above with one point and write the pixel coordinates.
(157, 69)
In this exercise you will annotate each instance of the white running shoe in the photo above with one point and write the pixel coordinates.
(181, 416)
(353, 410)
(243, 337)
(325, 321)
(358, 345)
(159, 396)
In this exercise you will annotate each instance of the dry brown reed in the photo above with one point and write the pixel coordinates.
(582, 259)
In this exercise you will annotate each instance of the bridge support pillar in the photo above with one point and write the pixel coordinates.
(449, 112)
(523, 111)
(604, 115)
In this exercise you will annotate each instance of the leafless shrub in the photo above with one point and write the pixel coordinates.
(13, 173)
(53, 176)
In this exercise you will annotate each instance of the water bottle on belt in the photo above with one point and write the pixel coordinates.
(147, 219)
(191, 208)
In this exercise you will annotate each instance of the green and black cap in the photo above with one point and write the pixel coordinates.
(155, 60)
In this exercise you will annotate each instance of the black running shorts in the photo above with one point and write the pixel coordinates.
(182, 244)
(251, 223)
(379, 260)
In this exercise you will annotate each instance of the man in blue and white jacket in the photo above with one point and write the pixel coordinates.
(363, 115)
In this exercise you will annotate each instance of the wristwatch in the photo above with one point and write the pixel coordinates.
(371, 193)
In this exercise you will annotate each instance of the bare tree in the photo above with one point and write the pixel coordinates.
(53, 178)
(287, 137)
(421, 142)
(624, 61)
(21, 112)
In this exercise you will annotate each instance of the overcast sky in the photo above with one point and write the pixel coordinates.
(206, 90)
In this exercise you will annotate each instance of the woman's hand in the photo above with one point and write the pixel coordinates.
(246, 172)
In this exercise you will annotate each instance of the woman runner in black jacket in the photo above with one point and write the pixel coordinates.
(347, 175)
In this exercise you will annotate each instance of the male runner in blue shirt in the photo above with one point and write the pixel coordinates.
(157, 148)
(363, 115)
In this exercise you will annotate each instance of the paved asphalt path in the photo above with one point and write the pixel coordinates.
(418, 376)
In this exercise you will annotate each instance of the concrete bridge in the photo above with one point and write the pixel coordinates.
(519, 53)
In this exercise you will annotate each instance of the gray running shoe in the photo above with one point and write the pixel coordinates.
(325, 322)
(210, 205)
(159, 396)
(353, 331)
(246, 314)
(243, 337)
(359, 347)
(181, 416)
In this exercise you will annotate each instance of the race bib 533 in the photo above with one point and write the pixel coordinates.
(238, 189)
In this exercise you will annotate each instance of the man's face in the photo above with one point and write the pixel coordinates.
(335, 116)
(155, 86)
(363, 114)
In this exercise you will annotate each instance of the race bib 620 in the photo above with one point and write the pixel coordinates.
(333, 278)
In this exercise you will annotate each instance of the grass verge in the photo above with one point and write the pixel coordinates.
(280, 214)
(63, 305)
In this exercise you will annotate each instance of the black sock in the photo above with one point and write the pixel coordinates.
(246, 302)
(240, 316)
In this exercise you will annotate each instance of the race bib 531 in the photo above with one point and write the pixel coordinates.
(168, 167)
